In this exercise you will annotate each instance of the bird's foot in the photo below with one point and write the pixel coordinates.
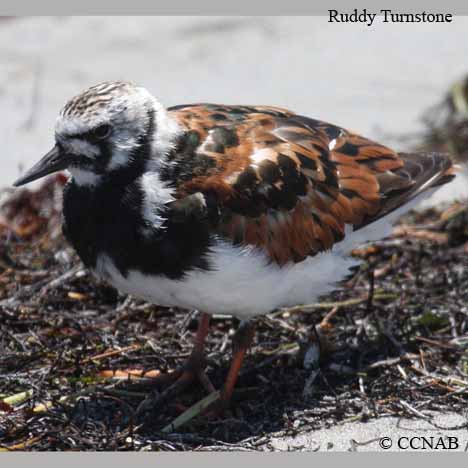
(176, 382)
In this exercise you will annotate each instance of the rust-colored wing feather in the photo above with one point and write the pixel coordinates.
(286, 183)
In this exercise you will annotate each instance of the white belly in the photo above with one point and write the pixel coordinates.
(244, 283)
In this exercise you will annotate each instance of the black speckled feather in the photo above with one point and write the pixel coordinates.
(286, 183)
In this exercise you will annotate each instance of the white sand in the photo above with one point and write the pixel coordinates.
(401, 435)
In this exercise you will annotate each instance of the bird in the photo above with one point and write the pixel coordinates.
(224, 209)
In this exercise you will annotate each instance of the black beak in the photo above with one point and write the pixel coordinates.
(53, 161)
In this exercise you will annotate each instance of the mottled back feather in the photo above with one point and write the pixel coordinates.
(286, 183)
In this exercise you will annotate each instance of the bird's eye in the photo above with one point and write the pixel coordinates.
(102, 132)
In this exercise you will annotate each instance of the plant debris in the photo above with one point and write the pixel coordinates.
(77, 358)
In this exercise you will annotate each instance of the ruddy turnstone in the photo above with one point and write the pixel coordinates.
(226, 209)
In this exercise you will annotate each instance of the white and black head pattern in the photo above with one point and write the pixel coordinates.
(111, 126)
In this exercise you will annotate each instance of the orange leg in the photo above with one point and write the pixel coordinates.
(193, 369)
(240, 343)
(181, 378)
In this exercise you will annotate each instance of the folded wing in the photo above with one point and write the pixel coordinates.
(289, 184)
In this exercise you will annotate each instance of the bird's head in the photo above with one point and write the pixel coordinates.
(105, 129)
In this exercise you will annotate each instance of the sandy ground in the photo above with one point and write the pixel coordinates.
(395, 434)
(376, 81)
